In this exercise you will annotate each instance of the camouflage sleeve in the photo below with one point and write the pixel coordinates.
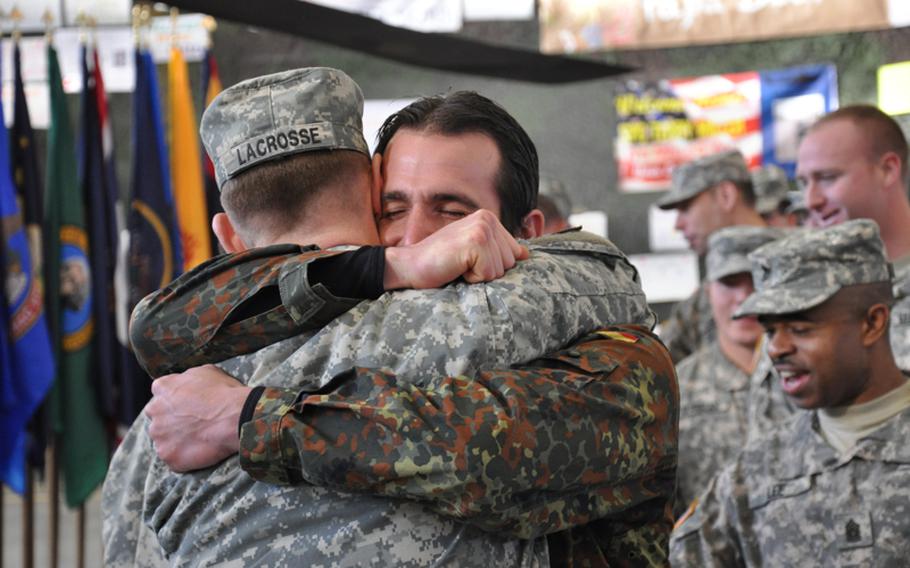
(126, 540)
(230, 305)
(577, 435)
(706, 534)
(689, 325)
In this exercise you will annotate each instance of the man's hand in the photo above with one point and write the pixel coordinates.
(477, 248)
(194, 417)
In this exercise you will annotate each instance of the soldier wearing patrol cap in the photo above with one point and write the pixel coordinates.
(851, 164)
(714, 381)
(772, 196)
(708, 194)
(553, 201)
(366, 358)
(831, 487)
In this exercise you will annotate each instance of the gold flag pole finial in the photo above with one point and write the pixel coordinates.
(145, 22)
(136, 14)
(16, 16)
(210, 25)
(174, 13)
(48, 19)
(82, 22)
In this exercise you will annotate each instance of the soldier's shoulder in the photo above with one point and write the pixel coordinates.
(574, 241)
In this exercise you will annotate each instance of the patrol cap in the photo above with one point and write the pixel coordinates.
(796, 202)
(278, 115)
(729, 248)
(556, 192)
(694, 177)
(771, 188)
(803, 270)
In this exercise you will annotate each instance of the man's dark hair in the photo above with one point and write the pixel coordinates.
(273, 197)
(882, 132)
(746, 191)
(465, 112)
(861, 297)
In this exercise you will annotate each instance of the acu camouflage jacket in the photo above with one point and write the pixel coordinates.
(575, 286)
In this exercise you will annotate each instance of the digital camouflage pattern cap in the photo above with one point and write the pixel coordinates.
(278, 115)
(556, 192)
(729, 248)
(796, 202)
(771, 188)
(694, 177)
(803, 270)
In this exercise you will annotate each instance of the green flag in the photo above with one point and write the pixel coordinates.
(80, 432)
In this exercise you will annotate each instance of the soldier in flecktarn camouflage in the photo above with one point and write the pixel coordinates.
(832, 486)
(453, 426)
(714, 381)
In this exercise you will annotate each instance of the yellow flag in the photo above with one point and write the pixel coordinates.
(186, 166)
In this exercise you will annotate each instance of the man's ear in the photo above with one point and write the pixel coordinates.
(532, 224)
(890, 164)
(227, 235)
(376, 187)
(875, 324)
(726, 194)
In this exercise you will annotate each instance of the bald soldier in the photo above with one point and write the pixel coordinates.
(714, 381)
(832, 486)
(851, 164)
(708, 194)
(413, 343)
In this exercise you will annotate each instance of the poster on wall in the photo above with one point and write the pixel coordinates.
(568, 26)
(662, 124)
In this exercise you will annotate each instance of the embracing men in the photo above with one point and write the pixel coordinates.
(467, 411)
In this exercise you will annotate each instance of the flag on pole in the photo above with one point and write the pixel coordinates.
(120, 235)
(29, 187)
(27, 367)
(79, 428)
(102, 237)
(211, 86)
(186, 165)
(154, 247)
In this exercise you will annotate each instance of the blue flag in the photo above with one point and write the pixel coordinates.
(29, 187)
(28, 368)
(154, 253)
(102, 238)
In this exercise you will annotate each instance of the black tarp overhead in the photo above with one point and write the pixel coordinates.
(435, 51)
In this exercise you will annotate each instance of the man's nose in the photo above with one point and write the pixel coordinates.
(813, 195)
(680, 223)
(779, 344)
(418, 226)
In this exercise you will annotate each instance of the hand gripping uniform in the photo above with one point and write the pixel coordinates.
(401, 397)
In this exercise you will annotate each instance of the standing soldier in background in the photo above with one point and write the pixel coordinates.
(708, 194)
(831, 487)
(851, 164)
(553, 201)
(714, 381)
(772, 196)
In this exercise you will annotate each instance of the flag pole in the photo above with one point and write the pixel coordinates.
(54, 477)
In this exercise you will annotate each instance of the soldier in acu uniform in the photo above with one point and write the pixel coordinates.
(468, 466)
(714, 381)
(708, 194)
(851, 164)
(772, 196)
(832, 486)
